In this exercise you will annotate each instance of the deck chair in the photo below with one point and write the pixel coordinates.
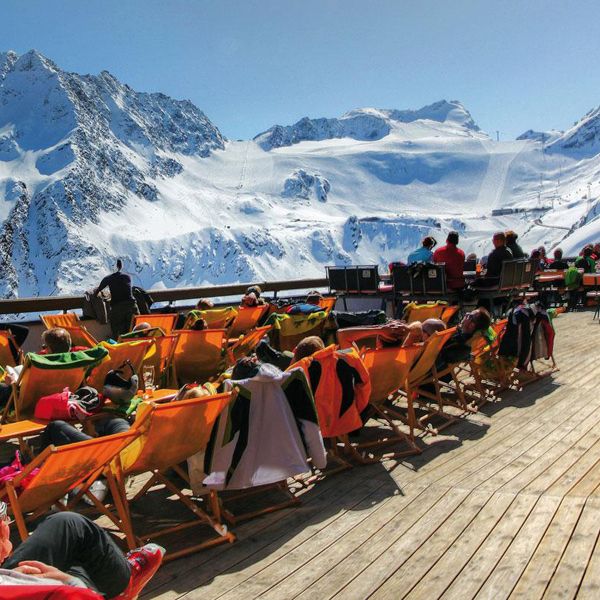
(160, 356)
(487, 373)
(186, 425)
(199, 355)
(117, 354)
(7, 343)
(288, 330)
(165, 321)
(216, 318)
(80, 336)
(341, 386)
(432, 310)
(247, 318)
(424, 373)
(246, 344)
(388, 369)
(61, 320)
(62, 469)
(47, 374)
(327, 303)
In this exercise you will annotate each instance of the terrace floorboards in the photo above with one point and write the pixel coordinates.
(504, 504)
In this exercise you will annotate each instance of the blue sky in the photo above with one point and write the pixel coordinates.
(252, 63)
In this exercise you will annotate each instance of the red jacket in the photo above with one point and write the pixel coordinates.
(454, 259)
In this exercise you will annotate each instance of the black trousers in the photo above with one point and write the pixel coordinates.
(60, 433)
(120, 317)
(75, 545)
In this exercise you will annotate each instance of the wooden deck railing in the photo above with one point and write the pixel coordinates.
(48, 303)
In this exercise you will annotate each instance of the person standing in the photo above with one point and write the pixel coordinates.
(122, 302)
(454, 260)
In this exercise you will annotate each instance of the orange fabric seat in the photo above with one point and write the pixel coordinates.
(199, 355)
(61, 320)
(166, 321)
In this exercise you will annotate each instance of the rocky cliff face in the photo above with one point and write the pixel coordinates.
(79, 146)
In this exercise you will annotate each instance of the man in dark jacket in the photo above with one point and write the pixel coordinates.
(122, 302)
(511, 244)
(497, 256)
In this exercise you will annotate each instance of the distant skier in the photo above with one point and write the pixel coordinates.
(122, 302)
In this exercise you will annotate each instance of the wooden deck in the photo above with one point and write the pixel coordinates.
(505, 504)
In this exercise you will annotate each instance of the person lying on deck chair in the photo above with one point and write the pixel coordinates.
(282, 360)
(395, 333)
(67, 550)
(458, 347)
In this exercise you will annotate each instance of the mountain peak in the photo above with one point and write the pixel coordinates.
(365, 124)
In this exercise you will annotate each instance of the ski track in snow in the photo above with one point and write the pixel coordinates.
(491, 192)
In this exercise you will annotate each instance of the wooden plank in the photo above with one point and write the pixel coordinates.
(254, 535)
(565, 581)
(394, 551)
(541, 566)
(245, 560)
(447, 568)
(416, 567)
(319, 564)
(507, 572)
(590, 585)
(357, 558)
(483, 562)
(287, 559)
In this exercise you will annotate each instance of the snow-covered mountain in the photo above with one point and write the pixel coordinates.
(91, 170)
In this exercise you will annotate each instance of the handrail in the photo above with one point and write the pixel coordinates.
(45, 303)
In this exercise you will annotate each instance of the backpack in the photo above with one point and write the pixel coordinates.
(143, 299)
(572, 278)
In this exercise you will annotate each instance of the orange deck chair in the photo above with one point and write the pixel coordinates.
(186, 425)
(216, 318)
(165, 321)
(433, 310)
(424, 372)
(133, 351)
(80, 336)
(327, 303)
(341, 389)
(246, 319)
(199, 355)
(62, 469)
(160, 356)
(246, 344)
(6, 342)
(388, 369)
(67, 319)
(47, 374)
(288, 330)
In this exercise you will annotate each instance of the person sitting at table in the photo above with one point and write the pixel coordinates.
(424, 253)
(471, 256)
(586, 262)
(558, 262)
(511, 244)
(495, 258)
(454, 260)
